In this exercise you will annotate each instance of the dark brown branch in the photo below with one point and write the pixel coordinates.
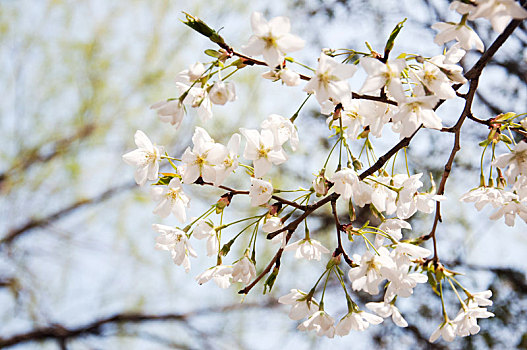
(59, 332)
(373, 98)
(7, 282)
(385, 157)
(15, 233)
(340, 248)
(274, 260)
(233, 191)
(448, 166)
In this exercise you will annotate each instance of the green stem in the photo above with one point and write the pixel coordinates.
(293, 118)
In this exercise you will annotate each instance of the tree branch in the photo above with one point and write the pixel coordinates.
(59, 332)
(15, 233)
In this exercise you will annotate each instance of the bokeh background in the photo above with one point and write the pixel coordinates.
(77, 253)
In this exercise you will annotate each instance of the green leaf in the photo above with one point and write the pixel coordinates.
(212, 53)
(201, 27)
(393, 35)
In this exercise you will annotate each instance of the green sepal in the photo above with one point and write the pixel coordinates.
(164, 180)
(269, 282)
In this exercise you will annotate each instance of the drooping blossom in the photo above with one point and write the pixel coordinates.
(309, 249)
(385, 310)
(356, 321)
(170, 111)
(205, 230)
(176, 242)
(222, 92)
(301, 307)
(320, 322)
(344, 182)
(221, 275)
(243, 271)
(286, 75)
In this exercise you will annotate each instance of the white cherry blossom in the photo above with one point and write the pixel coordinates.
(221, 275)
(193, 73)
(344, 182)
(261, 149)
(205, 230)
(243, 271)
(515, 161)
(202, 159)
(385, 310)
(170, 111)
(146, 158)
(480, 298)
(357, 321)
(274, 224)
(445, 330)
(309, 249)
(271, 39)
(482, 196)
(371, 271)
(230, 159)
(510, 207)
(260, 192)
(320, 322)
(381, 74)
(391, 227)
(330, 80)
(288, 76)
(413, 112)
(300, 308)
(466, 322)
(465, 35)
(175, 241)
(171, 199)
(499, 12)
(222, 92)
(283, 130)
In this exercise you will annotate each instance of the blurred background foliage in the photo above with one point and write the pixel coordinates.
(78, 268)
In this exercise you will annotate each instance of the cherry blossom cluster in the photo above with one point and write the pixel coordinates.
(403, 93)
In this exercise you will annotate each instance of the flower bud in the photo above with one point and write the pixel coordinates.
(226, 248)
(275, 208)
(223, 202)
(320, 185)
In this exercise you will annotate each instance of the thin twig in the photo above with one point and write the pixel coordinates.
(60, 332)
(340, 248)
